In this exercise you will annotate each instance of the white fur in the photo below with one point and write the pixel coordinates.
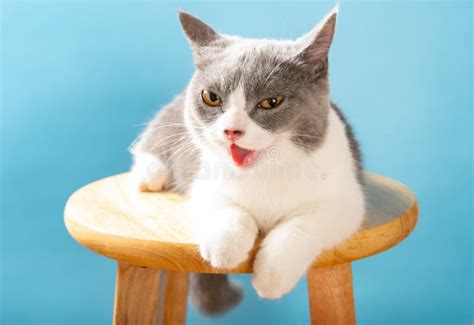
(148, 172)
(300, 215)
(236, 118)
(303, 203)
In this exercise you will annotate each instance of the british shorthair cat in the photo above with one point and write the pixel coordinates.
(258, 147)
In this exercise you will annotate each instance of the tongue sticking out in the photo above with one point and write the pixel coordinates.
(241, 157)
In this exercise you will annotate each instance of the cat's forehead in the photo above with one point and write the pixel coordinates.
(252, 64)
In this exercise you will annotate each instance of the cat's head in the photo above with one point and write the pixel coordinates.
(249, 95)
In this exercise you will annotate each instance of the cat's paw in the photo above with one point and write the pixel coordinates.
(149, 173)
(272, 284)
(274, 277)
(227, 249)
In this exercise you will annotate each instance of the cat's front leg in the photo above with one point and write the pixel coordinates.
(291, 247)
(148, 172)
(225, 233)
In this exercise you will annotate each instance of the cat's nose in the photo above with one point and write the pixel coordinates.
(233, 134)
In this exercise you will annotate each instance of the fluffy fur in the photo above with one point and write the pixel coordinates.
(303, 192)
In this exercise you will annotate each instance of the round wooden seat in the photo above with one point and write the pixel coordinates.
(154, 229)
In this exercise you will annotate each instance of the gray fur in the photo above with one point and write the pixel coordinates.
(304, 109)
(213, 294)
(167, 137)
(204, 41)
(297, 70)
(318, 49)
(197, 32)
(353, 144)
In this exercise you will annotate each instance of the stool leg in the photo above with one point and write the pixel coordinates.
(331, 298)
(149, 296)
(176, 297)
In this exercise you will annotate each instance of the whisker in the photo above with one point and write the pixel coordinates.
(188, 151)
(181, 136)
(181, 150)
(178, 147)
(144, 132)
(288, 145)
(306, 135)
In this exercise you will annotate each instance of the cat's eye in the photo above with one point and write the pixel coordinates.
(210, 98)
(269, 103)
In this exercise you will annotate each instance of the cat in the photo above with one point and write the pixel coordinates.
(258, 147)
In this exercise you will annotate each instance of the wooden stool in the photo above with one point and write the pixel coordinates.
(149, 234)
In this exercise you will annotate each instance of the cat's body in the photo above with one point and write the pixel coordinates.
(285, 166)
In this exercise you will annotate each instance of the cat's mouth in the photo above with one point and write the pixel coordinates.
(242, 157)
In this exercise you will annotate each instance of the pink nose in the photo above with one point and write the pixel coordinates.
(233, 134)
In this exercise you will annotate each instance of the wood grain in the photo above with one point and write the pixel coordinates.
(176, 297)
(154, 229)
(150, 296)
(136, 295)
(331, 299)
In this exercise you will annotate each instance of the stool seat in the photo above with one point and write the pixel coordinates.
(154, 229)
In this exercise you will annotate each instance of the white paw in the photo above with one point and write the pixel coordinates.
(149, 173)
(272, 284)
(227, 249)
(275, 276)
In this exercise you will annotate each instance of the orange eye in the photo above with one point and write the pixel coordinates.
(210, 98)
(270, 102)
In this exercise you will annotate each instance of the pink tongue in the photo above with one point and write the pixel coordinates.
(240, 155)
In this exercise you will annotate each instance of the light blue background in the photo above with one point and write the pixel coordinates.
(78, 77)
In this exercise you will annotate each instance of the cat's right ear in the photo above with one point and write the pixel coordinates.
(197, 32)
(200, 36)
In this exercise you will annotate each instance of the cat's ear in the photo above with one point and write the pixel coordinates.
(314, 46)
(203, 39)
(197, 32)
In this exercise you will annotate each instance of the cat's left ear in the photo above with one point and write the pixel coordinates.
(315, 45)
(203, 39)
